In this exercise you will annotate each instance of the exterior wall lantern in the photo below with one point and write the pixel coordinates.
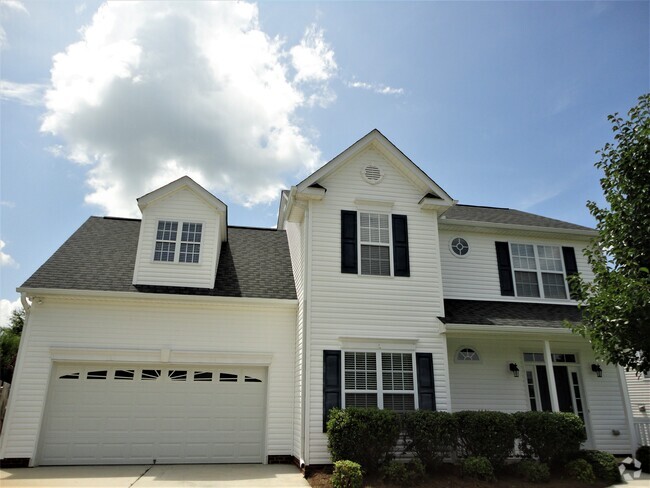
(597, 369)
(514, 369)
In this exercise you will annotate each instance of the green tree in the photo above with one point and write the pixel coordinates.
(9, 341)
(616, 304)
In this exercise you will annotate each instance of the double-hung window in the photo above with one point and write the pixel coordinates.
(380, 380)
(174, 246)
(538, 271)
(374, 240)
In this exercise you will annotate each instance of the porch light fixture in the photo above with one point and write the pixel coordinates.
(514, 369)
(597, 369)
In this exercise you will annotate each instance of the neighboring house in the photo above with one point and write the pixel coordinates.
(639, 394)
(377, 289)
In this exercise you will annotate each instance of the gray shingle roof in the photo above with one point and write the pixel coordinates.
(100, 256)
(509, 314)
(495, 215)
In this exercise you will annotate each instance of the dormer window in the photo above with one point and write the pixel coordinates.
(538, 268)
(168, 240)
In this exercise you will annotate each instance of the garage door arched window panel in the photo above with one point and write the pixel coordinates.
(251, 379)
(150, 374)
(228, 377)
(97, 375)
(202, 376)
(69, 376)
(177, 374)
(124, 374)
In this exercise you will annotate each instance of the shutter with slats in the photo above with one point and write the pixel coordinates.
(401, 266)
(348, 241)
(426, 387)
(505, 270)
(331, 383)
(571, 267)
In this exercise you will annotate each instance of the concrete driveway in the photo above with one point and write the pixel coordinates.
(158, 476)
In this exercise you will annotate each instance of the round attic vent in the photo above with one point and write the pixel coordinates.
(372, 174)
(459, 247)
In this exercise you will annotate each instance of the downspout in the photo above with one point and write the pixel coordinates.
(306, 324)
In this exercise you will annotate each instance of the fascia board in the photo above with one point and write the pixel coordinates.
(35, 293)
(487, 226)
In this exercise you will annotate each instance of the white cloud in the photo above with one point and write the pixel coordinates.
(25, 93)
(153, 91)
(376, 88)
(6, 259)
(80, 8)
(8, 7)
(313, 58)
(7, 203)
(6, 307)
(14, 5)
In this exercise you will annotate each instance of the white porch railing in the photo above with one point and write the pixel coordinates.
(642, 427)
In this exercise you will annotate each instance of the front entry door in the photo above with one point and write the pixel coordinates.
(566, 397)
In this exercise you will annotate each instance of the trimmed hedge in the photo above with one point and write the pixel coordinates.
(553, 437)
(365, 436)
(486, 434)
(581, 470)
(603, 463)
(477, 467)
(347, 474)
(404, 474)
(430, 435)
(533, 471)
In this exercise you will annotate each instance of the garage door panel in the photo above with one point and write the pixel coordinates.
(128, 414)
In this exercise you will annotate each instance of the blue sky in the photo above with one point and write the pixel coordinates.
(501, 103)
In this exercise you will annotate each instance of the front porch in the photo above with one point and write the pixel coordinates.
(510, 368)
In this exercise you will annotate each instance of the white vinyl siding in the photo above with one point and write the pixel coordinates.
(343, 305)
(476, 276)
(166, 330)
(179, 246)
(493, 387)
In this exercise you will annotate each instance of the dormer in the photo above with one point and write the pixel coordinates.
(183, 226)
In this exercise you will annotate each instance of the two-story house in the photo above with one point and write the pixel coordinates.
(178, 338)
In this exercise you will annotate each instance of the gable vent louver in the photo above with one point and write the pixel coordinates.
(372, 174)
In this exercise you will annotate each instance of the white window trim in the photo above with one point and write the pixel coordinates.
(451, 249)
(389, 245)
(179, 233)
(380, 383)
(538, 271)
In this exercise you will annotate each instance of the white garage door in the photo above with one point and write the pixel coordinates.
(143, 414)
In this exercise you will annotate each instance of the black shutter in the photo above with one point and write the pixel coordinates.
(348, 241)
(571, 267)
(400, 246)
(426, 389)
(505, 271)
(331, 383)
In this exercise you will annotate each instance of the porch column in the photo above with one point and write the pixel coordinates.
(548, 362)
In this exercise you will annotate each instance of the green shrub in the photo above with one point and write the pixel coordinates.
(430, 435)
(403, 474)
(580, 470)
(553, 437)
(364, 435)
(487, 434)
(478, 467)
(347, 474)
(643, 456)
(603, 463)
(533, 471)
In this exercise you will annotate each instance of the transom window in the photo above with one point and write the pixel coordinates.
(538, 271)
(168, 240)
(374, 232)
(392, 387)
(467, 354)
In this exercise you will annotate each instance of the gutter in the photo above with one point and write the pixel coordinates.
(166, 297)
(527, 228)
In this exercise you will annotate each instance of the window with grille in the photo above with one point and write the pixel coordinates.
(391, 387)
(374, 233)
(538, 271)
(169, 240)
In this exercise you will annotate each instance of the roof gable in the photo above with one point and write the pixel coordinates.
(185, 182)
(378, 141)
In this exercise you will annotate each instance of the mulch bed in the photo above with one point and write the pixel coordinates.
(450, 478)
